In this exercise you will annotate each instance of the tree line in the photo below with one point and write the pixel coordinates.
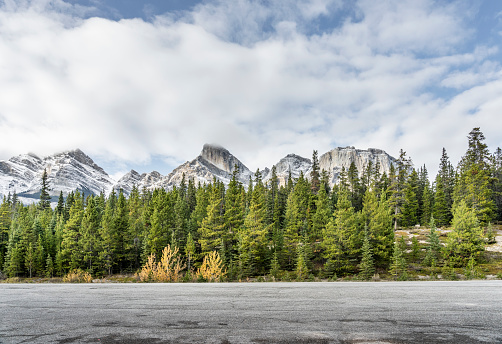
(304, 228)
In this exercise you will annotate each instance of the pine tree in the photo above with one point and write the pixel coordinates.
(474, 179)
(301, 265)
(45, 198)
(397, 186)
(5, 222)
(342, 237)
(190, 251)
(314, 174)
(49, 267)
(71, 253)
(466, 239)
(377, 214)
(367, 266)
(410, 207)
(496, 168)
(434, 248)
(234, 215)
(321, 217)
(213, 225)
(427, 204)
(29, 261)
(253, 236)
(398, 267)
(91, 239)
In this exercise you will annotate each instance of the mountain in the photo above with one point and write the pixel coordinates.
(213, 162)
(290, 162)
(66, 171)
(338, 158)
(75, 170)
(333, 162)
(133, 178)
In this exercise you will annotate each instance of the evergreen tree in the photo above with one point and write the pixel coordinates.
(5, 222)
(427, 203)
(367, 266)
(378, 219)
(49, 267)
(301, 265)
(496, 168)
(466, 240)
(61, 204)
(253, 236)
(398, 267)
(45, 198)
(135, 233)
(434, 248)
(342, 237)
(71, 253)
(234, 216)
(410, 207)
(30, 259)
(474, 179)
(397, 186)
(213, 225)
(314, 174)
(91, 239)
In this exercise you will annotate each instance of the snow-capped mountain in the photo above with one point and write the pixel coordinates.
(290, 162)
(133, 178)
(66, 172)
(75, 170)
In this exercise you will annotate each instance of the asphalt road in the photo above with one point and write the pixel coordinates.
(319, 313)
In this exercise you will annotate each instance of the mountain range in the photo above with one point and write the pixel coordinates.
(73, 170)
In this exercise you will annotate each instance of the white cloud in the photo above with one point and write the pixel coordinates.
(246, 76)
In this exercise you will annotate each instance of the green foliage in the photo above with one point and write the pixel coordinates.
(398, 267)
(367, 266)
(433, 253)
(466, 240)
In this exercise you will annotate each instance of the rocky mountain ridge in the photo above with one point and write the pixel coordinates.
(75, 170)
(66, 172)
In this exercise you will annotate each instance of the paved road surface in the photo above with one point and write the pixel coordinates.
(262, 313)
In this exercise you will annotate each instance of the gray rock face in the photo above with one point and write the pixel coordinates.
(290, 163)
(213, 162)
(338, 158)
(332, 162)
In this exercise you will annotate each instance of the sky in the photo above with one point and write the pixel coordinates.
(144, 84)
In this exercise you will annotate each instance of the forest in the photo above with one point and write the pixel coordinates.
(304, 230)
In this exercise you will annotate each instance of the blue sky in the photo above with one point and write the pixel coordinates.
(144, 84)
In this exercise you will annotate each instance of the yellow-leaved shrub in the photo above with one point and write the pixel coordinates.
(212, 268)
(167, 270)
(77, 276)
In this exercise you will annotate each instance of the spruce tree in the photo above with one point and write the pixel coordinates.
(342, 237)
(466, 240)
(71, 253)
(213, 225)
(91, 239)
(367, 265)
(377, 215)
(434, 248)
(45, 198)
(398, 267)
(253, 235)
(474, 182)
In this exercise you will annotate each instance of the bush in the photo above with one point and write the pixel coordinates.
(77, 276)
(167, 270)
(212, 268)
